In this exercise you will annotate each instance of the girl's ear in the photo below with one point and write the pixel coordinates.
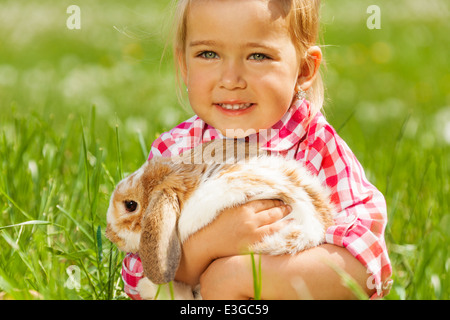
(309, 68)
(181, 60)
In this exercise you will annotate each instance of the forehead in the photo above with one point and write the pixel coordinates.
(236, 21)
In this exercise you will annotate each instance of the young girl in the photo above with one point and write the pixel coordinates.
(247, 65)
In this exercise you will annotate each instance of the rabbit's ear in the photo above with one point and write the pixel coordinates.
(159, 247)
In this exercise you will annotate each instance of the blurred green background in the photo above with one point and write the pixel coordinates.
(79, 108)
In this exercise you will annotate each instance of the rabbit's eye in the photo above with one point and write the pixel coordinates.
(130, 205)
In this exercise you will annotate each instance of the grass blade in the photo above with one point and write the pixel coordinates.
(348, 281)
(119, 154)
(142, 144)
(99, 244)
(31, 222)
(15, 204)
(256, 277)
(77, 223)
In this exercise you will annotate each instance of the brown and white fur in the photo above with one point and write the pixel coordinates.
(173, 200)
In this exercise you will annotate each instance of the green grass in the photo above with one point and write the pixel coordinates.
(257, 277)
(388, 94)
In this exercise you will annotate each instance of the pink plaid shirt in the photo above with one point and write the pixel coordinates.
(361, 218)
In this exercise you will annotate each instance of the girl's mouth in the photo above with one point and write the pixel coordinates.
(235, 106)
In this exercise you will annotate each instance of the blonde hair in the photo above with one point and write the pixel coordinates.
(303, 17)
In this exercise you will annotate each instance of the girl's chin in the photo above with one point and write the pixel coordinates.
(237, 133)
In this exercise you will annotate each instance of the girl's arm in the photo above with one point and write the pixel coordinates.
(307, 275)
(229, 234)
(214, 257)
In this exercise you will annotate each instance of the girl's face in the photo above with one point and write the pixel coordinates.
(239, 64)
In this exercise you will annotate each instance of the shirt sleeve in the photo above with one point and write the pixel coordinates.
(132, 272)
(361, 216)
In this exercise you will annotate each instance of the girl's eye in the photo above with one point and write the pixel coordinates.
(258, 57)
(208, 55)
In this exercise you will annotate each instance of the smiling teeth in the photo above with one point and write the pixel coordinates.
(241, 106)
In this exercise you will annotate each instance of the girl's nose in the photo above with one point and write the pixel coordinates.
(232, 76)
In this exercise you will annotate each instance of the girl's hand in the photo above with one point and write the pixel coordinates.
(235, 229)
(231, 233)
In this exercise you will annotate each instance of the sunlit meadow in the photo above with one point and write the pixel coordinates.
(79, 109)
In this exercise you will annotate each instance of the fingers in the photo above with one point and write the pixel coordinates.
(249, 223)
(262, 205)
(268, 211)
(268, 217)
(272, 215)
(273, 227)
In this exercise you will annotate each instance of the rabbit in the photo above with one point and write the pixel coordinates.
(155, 209)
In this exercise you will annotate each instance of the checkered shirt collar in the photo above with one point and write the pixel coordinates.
(283, 135)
